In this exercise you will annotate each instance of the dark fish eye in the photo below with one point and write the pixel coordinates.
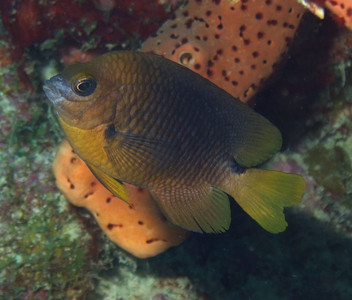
(84, 86)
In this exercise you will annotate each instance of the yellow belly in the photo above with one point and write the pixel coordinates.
(89, 145)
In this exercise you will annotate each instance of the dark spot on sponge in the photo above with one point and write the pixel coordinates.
(112, 226)
(246, 41)
(260, 34)
(87, 195)
(259, 16)
(72, 186)
(210, 72)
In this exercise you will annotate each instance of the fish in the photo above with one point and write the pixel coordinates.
(142, 119)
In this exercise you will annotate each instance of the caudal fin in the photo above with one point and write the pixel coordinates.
(263, 195)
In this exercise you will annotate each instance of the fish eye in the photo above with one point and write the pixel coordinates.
(84, 86)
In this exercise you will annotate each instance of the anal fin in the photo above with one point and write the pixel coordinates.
(205, 209)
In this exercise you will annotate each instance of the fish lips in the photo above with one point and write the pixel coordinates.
(55, 88)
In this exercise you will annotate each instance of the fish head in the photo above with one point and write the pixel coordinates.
(84, 95)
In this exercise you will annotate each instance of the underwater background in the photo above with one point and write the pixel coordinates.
(50, 249)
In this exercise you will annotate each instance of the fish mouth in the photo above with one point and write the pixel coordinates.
(53, 89)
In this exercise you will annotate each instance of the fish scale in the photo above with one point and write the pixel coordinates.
(142, 119)
(178, 132)
(180, 137)
(173, 129)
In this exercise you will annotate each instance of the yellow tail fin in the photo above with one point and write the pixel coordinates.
(263, 195)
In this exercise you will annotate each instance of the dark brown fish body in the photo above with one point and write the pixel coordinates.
(189, 135)
(142, 119)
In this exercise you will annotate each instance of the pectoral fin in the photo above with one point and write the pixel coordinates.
(113, 185)
(129, 152)
(204, 209)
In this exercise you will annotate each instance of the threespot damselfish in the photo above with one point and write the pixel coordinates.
(141, 119)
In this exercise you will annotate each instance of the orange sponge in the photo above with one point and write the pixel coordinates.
(139, 228)
(235, 44)
(342, 9)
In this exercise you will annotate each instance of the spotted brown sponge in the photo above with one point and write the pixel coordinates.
(235, 44)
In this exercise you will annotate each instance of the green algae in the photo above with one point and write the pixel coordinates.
(328, 154)
(331, 168)
(36, 252)
(44, 253)
(54, 42)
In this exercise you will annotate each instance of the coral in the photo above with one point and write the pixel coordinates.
(79, 22)
(41, 253)
(139, 228)
(335, 173)
(128, 284)
(235, 44)
(95, 26)
(44, 254)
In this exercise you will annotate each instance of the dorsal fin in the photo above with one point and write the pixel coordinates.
(254, 139)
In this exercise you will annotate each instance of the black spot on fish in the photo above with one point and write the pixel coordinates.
(110, 132)
(236, 168)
